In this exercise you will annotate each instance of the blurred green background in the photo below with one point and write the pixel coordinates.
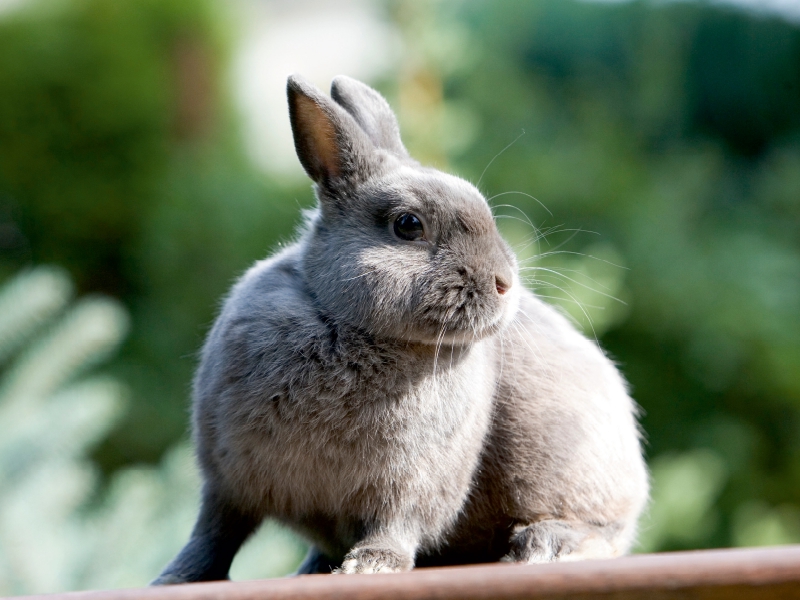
(642, 157)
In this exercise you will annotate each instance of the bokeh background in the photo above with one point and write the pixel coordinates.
(642, 157)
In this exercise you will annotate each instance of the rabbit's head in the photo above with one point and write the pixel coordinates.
(396, 249)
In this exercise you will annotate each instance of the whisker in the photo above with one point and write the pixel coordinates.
(514, 141)
(583, 285)
(362, 275)
(583, 254)
(559, 270)
(521, 194)
(526, 219)
(560, 299)
(583, 310)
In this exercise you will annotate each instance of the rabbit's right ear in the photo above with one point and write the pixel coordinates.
(330, 145)
(372, 112)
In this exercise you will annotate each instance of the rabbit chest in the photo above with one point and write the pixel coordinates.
(315, 418)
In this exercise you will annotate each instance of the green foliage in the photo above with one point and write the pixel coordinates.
(85, 110)
(685, 489)
(49, 421)
(59, 528)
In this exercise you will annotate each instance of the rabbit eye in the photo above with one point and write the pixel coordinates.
(408, 227)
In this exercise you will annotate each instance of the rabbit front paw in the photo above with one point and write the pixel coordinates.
(374, 560)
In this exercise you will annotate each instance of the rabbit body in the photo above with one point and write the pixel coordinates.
(386, 387)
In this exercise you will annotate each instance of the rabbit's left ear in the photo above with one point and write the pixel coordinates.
(371, 111)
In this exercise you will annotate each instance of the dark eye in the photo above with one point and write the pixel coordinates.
(408, 227)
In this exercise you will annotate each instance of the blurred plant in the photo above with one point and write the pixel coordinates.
(50, 417)
(59, 528)
(685, 489)
(758, 524)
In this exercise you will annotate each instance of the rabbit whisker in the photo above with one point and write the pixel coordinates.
(559, 274)
(521, 194)
(514, 141)
(575, 281)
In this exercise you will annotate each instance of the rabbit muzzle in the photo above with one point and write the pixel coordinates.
(467, 296)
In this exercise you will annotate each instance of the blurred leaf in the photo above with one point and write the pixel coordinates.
(685, 488)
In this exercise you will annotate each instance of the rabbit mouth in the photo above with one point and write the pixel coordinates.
(473, 318)
(466, 336)
(461, 333)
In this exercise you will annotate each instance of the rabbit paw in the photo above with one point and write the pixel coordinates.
(374, 560)
(169, 579)
(542, 542)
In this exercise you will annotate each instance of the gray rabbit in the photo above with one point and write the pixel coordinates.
(387, 388)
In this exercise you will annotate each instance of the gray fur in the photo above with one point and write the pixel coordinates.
(403, 402)
(371, 112)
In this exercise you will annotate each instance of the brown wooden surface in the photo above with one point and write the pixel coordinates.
(758, 574)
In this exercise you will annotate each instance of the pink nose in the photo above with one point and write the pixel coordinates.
(501, 285)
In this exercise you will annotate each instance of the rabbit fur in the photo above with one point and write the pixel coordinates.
(403, 402)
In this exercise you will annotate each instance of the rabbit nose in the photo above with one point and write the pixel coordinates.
(502, 283)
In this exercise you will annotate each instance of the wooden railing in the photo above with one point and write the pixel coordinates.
(757, 574)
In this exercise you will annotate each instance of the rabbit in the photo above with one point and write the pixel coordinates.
(387, 388)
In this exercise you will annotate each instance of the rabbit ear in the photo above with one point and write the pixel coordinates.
(371, 111)
(329, 143)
